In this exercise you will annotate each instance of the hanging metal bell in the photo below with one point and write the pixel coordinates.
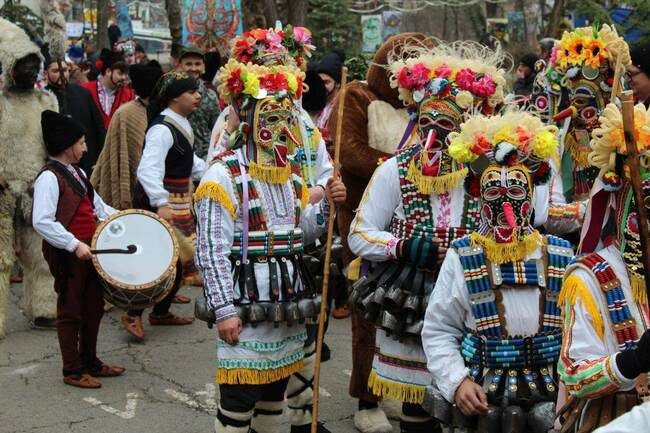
(318, 300)
(242, 313)
(306, 308)
(390, 323)
(410, 307)
(415, 329)
(356, 291)
(378, 296)
(202, 312)
(256, 314)
(394, 299)
(276, 314)
(292, 313)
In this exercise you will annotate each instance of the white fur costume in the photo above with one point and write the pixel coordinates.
(22, 154)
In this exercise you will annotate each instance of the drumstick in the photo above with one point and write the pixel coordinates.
(130, 249)
(328, 257)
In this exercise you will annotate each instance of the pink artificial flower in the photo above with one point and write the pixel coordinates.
(443, 71)
(484, 87)
(302, 35)
(416, 77)
(465, 79)
(553, 58)
(273, 41)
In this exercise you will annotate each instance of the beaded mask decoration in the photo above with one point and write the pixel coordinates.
(265, 98)
(611, 215)
(508, 155)
(549, 95)
(440, 85)
(290, 46)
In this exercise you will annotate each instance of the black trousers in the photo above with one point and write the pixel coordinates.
(242, 398)
(162, 307)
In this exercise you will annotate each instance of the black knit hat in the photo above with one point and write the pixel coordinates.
(59, 131)
(144, 78)
(331, 65)
(529, 60)
(641, 57)
(315, 99)
(109, 59)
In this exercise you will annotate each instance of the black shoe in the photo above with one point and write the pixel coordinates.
(325, 353)
(307, 428)
(44, 323)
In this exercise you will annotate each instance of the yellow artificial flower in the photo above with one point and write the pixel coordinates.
(460, 151)
(251, 84)
(545, 144)
(292, 83)
(506, 134)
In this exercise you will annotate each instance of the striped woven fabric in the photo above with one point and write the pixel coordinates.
(270, 243)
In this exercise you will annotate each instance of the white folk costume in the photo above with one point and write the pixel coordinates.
(290, 47)
(22, 154)
(605, 350)
(493, 316)
(586, 58)
(413, 198)
(250, 240)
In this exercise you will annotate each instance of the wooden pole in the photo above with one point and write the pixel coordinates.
(328, 257)
(617, 79)
(633, 161)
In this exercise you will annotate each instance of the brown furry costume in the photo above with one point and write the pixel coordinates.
(374, 120)
(22, 154)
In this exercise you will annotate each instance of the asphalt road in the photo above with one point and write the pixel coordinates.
(168, 387)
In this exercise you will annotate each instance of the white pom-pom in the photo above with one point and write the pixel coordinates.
(503, 151)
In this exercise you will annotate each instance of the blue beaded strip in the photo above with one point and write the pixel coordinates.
(560, 255)
(503, 353)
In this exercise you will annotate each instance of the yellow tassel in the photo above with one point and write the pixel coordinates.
(249, 376)
(395, 391)
(354, 269)
(269, 173)
(216, 193)
(438, 184)
(507, 252)
(574, 289)
(580, 157)
(639, 292)
(304, 195)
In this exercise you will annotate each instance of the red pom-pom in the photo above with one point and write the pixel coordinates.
(99, 64)
(542, 173)
(473, 185)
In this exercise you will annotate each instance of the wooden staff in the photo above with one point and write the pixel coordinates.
(633, 161)
(617, 78)
(328, 257)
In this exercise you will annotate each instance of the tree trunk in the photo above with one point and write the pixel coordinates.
(557, 13)
(102, 24)
(270, 12)
(175, 25)
(297, 12)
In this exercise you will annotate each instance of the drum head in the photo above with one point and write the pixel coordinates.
(156, 249)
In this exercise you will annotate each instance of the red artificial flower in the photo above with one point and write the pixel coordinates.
(235, 83)
(299, 90)
(258, 34)
(274, 82)
(480, 146)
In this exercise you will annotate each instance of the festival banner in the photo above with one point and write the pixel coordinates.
(392, 22)
(371, 33)
(210, 24)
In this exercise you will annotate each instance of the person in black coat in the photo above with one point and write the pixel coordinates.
(76, 102)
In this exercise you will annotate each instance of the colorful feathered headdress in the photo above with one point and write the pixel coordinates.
(590, 49)
(465, 69)
(240, 82)
(288, 46)
(514, 138)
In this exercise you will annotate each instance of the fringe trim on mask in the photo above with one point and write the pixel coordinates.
(574, 289)
(270, 174)
(439, 184)
(507, 252)
(581, 158)
(395, 391)
(248, 376)
(216, 193)
(304, 195)
(639, 292)
(354, 269)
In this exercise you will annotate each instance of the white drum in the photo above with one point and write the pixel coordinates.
(145, 277)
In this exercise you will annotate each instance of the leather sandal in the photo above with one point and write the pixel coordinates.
(341, 312)
(82, 381)
(133, 325)
(107, 371)
(169, 319)
(180, 299)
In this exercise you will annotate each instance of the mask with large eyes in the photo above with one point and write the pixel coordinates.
(271, 127)
(589, 92)
(506, 197)
(548, 97)
(443, 116)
